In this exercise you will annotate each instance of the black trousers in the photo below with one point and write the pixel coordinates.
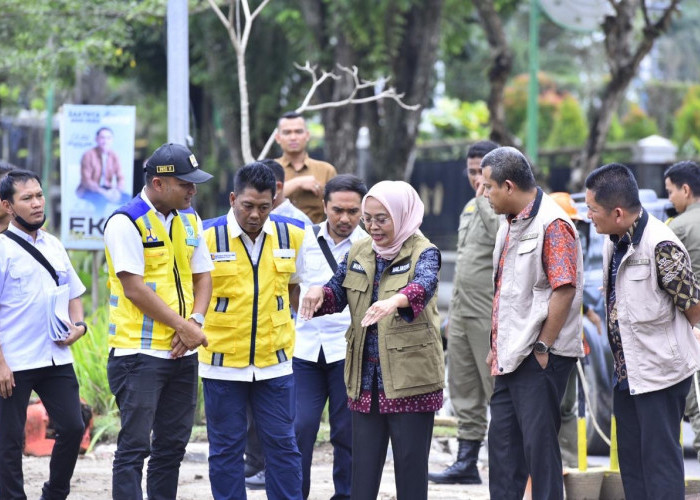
(525, 421)
(410, 435)
(156, 399)
(57, 387)
(648, 442)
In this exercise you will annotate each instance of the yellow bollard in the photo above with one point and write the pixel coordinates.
(582, 446)
(614, 462)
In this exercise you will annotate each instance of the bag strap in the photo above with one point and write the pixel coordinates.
(325, 248)
(34, 253)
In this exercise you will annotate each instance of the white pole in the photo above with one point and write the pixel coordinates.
(178, 72)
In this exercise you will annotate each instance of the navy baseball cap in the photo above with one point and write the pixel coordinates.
(175, 160)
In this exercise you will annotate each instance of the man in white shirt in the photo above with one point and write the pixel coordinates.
(160, 285)
(29, 359)
(319, 356)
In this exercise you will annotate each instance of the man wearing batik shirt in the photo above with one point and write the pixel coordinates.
(536, 328)
(648, 282)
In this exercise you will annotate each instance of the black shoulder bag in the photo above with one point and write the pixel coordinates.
(325, 248)
(34, 253)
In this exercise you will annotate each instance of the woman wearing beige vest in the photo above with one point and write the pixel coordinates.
(394, 369)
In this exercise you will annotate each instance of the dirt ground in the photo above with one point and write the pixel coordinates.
(93, 476)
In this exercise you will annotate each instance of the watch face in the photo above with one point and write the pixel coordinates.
(541, 347)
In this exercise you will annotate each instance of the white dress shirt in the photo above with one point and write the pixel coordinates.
(125, 246)
(288, 210)
(250, 372)
(24, 322)
(324, 331)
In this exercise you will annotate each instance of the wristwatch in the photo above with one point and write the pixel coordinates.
(199, 318)
(541, 347)
(83, 324)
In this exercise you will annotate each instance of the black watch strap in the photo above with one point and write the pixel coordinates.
(83, 324)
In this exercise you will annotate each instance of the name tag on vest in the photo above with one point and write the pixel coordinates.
(192, 242)
(400, 269)
(355, 266)
(223, 256)
(530, 236)
(638, 262)
(285, 253)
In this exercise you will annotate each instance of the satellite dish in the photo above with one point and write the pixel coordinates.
(578, 15)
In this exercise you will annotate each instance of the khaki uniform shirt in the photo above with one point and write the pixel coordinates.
(687, 227)
(306, 201)
(472, 294)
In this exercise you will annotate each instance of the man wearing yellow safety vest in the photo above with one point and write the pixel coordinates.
(251, 339)
(160, 288)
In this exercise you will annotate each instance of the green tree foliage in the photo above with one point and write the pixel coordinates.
(637, 124)
(686, 132)
(50, 39)
(515, 98)
(616, 132)
(454, 119)
(570, 127)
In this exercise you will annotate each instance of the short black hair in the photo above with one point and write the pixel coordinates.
(685, 172)
(508, 163)
(277, 169)
(7, 184)
(344, 182)
(481, 149)
(256, 175)
(613, 185)
(291, 115)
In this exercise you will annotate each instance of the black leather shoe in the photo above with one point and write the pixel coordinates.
(464, 470)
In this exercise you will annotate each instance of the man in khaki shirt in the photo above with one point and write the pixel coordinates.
(304, 177)
(683, 188)
(469, 378)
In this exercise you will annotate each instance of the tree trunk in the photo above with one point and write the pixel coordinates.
(341, 123)
(624, 60)
(394, 130)
(501, 66)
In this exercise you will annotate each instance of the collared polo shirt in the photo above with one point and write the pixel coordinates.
(250, 372)
(125, 246)
(24, 321)
(306, 201)
(313, 269)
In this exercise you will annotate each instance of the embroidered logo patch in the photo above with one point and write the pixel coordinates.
(401, 268)
(355, 266)
(165, 169)
(149, 235)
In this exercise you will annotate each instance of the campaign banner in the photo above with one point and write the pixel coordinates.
(97, 170)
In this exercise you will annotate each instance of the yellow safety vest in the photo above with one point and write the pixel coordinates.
(249, 321)
(167, 271)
